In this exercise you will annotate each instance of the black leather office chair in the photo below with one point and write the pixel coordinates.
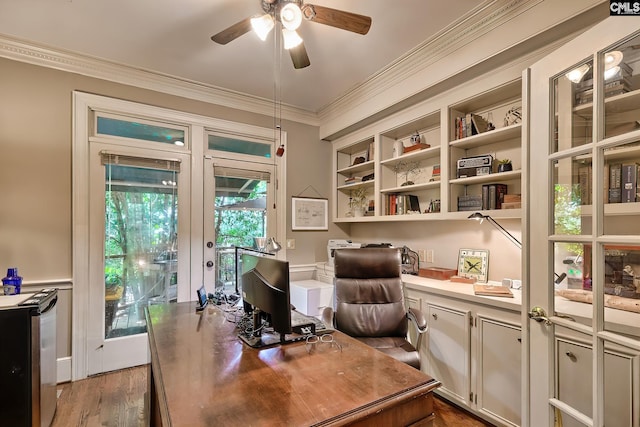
(369, 302)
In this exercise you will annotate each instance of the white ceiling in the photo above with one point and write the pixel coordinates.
(172, 37)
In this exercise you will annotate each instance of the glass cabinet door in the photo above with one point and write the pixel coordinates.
(585, 233)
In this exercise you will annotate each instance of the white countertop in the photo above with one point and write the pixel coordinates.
(463, 291)
(619, 321)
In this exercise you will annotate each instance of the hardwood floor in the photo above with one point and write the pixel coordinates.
(116, 399)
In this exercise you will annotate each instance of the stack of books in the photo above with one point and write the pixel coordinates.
(470, 203)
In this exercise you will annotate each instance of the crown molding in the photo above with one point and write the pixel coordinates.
(448, 54)
(468, 28)
(19, 50)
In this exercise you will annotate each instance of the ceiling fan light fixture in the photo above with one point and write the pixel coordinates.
(262, 25)
(291, 38)
(291, 16)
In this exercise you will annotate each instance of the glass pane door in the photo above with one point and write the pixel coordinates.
(138, 249)
(240, 221)
(141, 254)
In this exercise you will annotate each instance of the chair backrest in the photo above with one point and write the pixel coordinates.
(369, 294)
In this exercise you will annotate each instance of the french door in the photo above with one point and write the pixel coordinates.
(583, 231)
(139, 222)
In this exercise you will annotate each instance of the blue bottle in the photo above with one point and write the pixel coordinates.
(12, 279)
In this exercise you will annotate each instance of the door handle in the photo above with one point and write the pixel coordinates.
(539, 315)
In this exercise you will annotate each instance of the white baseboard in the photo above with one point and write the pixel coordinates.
(63, 367)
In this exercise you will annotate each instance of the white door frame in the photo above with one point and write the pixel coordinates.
(83, 105)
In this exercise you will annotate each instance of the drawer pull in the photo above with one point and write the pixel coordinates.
(435, 316)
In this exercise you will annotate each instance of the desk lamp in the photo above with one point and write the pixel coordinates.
(479, 217)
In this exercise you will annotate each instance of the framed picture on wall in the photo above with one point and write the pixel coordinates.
(309, 214)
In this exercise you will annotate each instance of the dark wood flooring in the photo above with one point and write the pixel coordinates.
(117, 399)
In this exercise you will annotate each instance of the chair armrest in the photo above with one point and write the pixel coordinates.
(327, 316)
(418, 320)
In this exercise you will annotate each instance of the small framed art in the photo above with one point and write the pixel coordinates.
(309, 214)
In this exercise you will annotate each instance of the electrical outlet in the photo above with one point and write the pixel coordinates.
(430, 256)
(422, 255)
(291, 243)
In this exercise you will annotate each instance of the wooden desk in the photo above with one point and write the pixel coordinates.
(201, 374)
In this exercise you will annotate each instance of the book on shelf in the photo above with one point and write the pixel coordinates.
(584, 184)
(352, 180)
(615, 182)
(629, 182)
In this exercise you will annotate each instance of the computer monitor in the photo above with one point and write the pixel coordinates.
(265, 295)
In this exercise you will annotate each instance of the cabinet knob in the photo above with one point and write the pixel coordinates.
(209, 264)
(571, 356)
(435, 316)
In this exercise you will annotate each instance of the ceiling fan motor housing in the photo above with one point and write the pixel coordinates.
(273, 7)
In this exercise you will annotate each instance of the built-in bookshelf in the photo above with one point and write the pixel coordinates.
(410, 169)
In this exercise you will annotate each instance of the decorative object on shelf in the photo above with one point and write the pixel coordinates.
(435, 173)
(474, 264)
(358, 160)
(434, 206)
(398, 148)
(505, 165)
(490, 124)
(407, 168)
(309, 213)
(415, 138)
(474, 166)
(358, 201)
(513, 116)
(419, 146)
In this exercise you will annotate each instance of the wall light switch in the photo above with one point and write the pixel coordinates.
(291, 243)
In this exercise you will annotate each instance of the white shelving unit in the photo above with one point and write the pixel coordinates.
(426, 177)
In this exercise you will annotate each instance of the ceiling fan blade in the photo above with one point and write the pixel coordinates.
(233, 32)
(299, 56)
(337, 18)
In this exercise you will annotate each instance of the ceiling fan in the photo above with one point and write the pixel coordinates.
(290, 13)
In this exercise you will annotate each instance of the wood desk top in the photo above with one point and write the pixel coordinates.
(205, 376)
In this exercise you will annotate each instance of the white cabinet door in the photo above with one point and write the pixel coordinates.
(575, 388)
(498, 363)
(448, 350)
